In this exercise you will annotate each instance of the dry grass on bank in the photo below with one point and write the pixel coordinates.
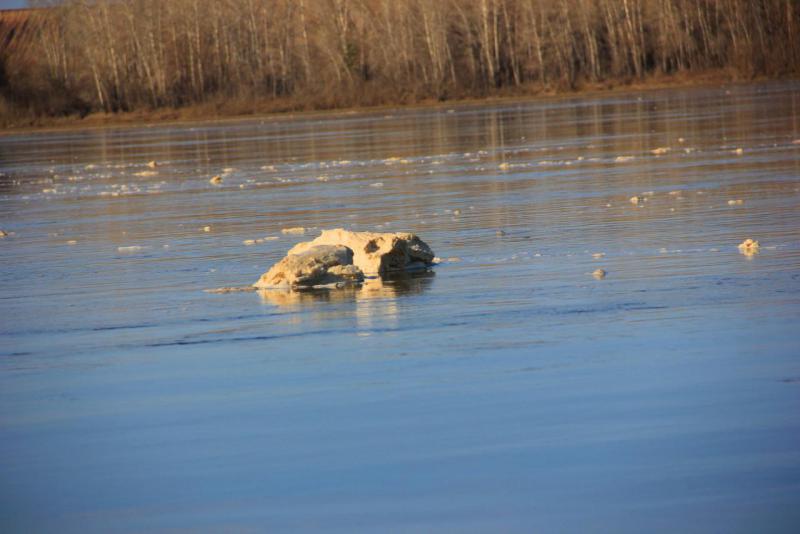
(287, 108)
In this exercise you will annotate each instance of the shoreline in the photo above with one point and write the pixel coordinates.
(206, 112)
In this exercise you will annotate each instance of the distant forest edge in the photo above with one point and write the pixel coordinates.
(79, 57)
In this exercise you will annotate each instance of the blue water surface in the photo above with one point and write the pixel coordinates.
(507, 389)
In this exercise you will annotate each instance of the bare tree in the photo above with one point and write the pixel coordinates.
(113, 55)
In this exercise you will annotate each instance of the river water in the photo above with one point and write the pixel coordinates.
(506, 390)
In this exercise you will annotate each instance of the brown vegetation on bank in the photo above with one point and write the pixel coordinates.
(78, 56)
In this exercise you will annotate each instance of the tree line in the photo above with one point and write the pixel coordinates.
(78, 56)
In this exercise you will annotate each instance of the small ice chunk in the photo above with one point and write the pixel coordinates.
(297, 230)
(749, 247)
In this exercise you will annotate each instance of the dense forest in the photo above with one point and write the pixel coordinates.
(80, 56)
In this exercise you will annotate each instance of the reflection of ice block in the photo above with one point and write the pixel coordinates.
(373, 289)
(286, 298)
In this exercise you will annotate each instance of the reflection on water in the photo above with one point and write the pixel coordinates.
(390, 286)
(394, 285)
(310, 297)
(502, 394)
(374, 301)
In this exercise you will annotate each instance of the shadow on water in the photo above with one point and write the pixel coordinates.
(385, 287)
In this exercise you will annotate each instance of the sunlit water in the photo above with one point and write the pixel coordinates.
(507, 391)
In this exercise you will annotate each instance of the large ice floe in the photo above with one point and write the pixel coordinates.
(340, 257)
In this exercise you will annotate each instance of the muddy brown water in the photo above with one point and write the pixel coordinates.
(507, 391)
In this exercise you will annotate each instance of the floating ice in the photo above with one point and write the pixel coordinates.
(297, 230)
(749, 247)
